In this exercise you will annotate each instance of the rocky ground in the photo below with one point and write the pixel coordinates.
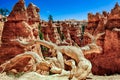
(37, 77)
(111, 77)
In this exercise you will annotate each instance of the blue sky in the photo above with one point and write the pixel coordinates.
(65, 9)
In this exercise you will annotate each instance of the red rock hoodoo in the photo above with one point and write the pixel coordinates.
(108, 61)
(16, 27)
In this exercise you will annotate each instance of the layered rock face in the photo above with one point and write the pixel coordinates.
(108, 61)
(16, 27)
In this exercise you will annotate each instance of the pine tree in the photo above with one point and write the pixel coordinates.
(50, 18)
(4, 12)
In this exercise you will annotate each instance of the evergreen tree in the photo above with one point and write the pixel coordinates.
(41, 36)
(82, 30)
(50, 18)
(4, 12)
(40, 33)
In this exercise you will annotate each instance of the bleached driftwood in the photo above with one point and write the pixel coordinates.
(92, 47)
(81, 67)
(116, 29)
